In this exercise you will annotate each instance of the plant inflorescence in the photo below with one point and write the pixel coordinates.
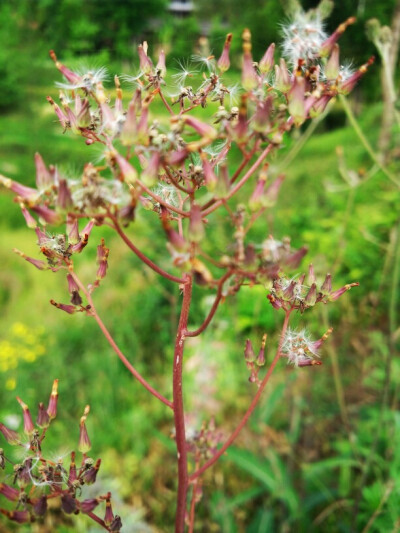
(181, 167)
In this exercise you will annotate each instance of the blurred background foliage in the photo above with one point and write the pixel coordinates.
(321, 453)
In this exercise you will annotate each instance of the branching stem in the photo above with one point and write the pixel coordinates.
(114, 346)
(251, 408)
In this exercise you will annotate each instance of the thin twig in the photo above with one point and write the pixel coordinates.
(141, 255)
(249, 411)
(364, 140)
(214, 307)
(240, 183)
(113, 344)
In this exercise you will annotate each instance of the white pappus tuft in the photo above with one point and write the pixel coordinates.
(298, 347)
(88, 79)
(303, 37)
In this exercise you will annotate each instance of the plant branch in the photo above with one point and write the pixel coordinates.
(364, 140)
(97, 519)
(141, 255)
(240, 183)
(165, 102)
(114, 346)
(214, 307)
(237, 172)
(251, 408)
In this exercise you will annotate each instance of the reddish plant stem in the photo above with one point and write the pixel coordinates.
(251, 408)
(214, 307)
(179, 413)
(244, 162)
(141, 255)
(240, 183)
(114, 346)
(165, 102)
(98, 520)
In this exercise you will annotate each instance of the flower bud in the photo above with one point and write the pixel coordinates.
(326, 287)
(109, 515)
(46, 215)
(29, 428)
(249, 75)
(271, 194)
(128, 172)
(311, 296)
(338, 293)
(297, 102)
(43, 177)
(77, 248)
(348, 85)
(205, 130)
(84, 442)
(329, 43)
(61, 116)
(129, 129)
(102, 256)
(319, 106)
(64, 198)
(27, 193)
(332, 66)
(52, 407)
(70, 309)
(146, 65)
(275, 302)
(260, 361)
(68, 503)
(262, 117)
(256, 199)
(11, 436)
(161, 68)
(249, 355)
(72, 77)
(88, 505)
(282, 78)
(116, 524)
(72, 470)
(82, 112)
(223, 183)
(311, 274)
(223, 62)
(40, 506)
(23, 473)
(20, 517)
(89, 475)
(72, 230)
(73, 289)
(149, 176)
(8, 492)
(210, 178)
(43, 419)
(266, 63)
(30, 221)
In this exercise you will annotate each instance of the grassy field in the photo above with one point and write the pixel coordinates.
(319, 441)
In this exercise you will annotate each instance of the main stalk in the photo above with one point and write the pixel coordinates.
(180, 435)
